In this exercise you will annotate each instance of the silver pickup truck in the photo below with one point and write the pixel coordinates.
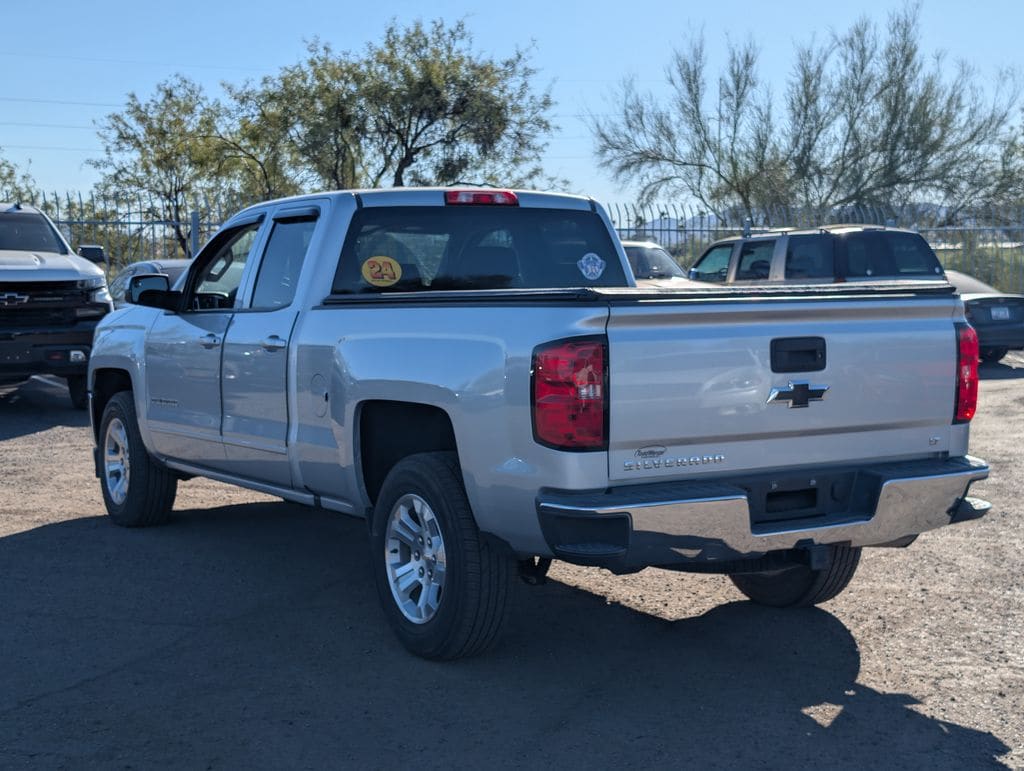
(476, 374)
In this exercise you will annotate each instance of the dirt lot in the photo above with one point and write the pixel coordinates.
(246, 633)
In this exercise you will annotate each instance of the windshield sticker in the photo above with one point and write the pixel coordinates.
(382, 271)
(591, 266)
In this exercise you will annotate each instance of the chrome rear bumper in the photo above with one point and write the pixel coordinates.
(665, 523)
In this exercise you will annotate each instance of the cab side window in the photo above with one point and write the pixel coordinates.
(218, 279)
(755, 260)
(810, 257)
(714, 265)
(282, 262)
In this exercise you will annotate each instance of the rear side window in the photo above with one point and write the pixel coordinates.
(423, 248)
(282, 261)
(888, 254)
(755, 260)
(714, 265)
(810, 257)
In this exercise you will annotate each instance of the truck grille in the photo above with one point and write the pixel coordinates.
(44, 293)
(25, 316)
(48, 303)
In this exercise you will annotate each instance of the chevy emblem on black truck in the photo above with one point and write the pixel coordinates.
(13, 298)
(799, 394)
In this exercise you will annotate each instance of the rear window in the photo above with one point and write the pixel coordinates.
(887, 254)
(810, 257)
(422, 248)
(28, 232)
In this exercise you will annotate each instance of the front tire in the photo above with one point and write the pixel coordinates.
(443, 586)
(137, 492)
(799, 586)
(993, 354)
(78, 391)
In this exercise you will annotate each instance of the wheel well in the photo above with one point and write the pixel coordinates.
(390, 431)
(106, 383)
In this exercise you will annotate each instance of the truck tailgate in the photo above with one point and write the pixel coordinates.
(691, 383)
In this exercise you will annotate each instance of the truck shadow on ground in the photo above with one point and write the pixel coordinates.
(35, 406)
(249, 636)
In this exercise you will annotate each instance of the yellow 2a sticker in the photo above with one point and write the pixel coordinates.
(382, 271)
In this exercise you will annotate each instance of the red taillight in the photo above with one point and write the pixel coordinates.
(480, 198)
(570, 394)
(966, 373)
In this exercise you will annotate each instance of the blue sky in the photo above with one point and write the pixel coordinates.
(85, 57)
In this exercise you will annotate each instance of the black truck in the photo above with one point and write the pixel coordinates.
(50, 301)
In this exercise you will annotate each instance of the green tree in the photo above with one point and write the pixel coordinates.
(164, 153)
(867, 119)
(16, 184)
(421, 107)
(252, 141)
(439, 113)
(317, 117)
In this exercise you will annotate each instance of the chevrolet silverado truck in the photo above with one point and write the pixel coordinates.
(50, 301)
(476, 374)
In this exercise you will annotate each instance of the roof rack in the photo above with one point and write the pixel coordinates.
(851, 226)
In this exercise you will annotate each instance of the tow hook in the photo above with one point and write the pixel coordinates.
(534, 571)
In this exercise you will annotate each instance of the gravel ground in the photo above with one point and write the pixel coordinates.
(246, 633)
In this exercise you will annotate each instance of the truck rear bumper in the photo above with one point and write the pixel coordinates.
(701, 523)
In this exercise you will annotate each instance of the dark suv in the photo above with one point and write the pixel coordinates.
(829, 254)
(50, 301)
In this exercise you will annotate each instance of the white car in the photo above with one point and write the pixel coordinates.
(653, 266)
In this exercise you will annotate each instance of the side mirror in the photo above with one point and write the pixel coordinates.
(692, 274)
(92, 252)
(152, 290)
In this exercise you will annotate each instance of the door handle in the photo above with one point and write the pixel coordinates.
(798, 354)
(209, 341)
(273, 343)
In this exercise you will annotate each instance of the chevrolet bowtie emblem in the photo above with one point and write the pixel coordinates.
(13, 298)
(799, 394)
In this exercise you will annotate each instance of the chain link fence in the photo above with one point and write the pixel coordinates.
(134, 229)
(986, 243)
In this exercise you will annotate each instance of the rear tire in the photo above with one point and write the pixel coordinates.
(993, 354)
(137, 491)
(799, 586)
(78, 391)
(443, 586)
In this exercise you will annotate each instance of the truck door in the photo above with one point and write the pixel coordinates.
(255, 367)
(183, 353)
